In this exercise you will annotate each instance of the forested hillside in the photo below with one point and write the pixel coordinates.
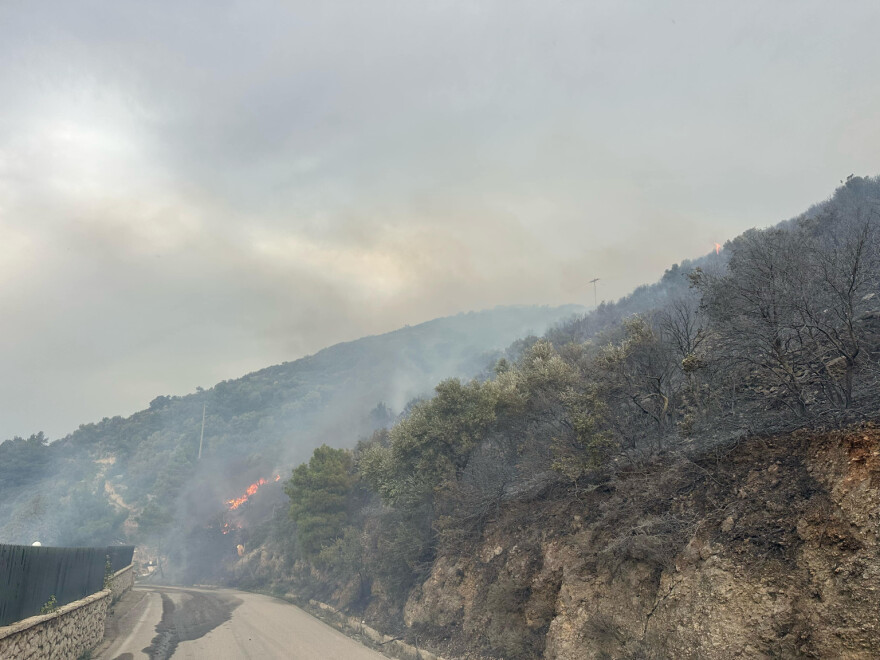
(138, 478)
(712, 426)
(602, 434)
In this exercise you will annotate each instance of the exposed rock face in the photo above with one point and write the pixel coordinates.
(772, 551)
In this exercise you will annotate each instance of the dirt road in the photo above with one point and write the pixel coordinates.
(169, 622)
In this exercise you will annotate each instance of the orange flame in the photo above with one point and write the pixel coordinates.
(236, 502)
(717, 248)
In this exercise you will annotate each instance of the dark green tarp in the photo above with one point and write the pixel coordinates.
(31, 575)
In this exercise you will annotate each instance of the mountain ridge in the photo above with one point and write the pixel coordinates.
(265, 420)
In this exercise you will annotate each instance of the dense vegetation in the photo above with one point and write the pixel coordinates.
(138, 478)
(780, 330)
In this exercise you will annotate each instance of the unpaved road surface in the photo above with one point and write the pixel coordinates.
(170, 622)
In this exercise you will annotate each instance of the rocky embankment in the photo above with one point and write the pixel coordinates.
(764, 549)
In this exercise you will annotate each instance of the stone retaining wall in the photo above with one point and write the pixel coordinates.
(69, 631)
(122, 581)
(63, 635)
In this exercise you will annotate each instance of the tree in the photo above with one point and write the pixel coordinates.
(319, 494)
(590, 443)
(23, 461)
(841, 281)
(641, 381)
(431, 446)
(751, 315)
(794, 304)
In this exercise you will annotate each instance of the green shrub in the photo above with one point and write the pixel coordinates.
(50, 606)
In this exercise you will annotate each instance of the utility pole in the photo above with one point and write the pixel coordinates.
(202, 437)
(595, 295)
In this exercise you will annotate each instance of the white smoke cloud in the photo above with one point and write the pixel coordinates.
(192, 191)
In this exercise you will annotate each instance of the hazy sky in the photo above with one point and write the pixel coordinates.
(193, 190)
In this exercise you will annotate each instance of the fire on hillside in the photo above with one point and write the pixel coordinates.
(251, 490)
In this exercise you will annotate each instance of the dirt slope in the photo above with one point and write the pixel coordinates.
(767, 549)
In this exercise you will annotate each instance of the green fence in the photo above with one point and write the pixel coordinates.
(31, 575)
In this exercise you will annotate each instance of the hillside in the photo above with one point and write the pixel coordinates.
(688, 472)
(773, 553)
(633, 484)
(91, 486)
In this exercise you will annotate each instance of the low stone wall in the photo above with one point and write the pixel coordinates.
(64, 634)
(122, 581)
(68, 631)
(390, 646)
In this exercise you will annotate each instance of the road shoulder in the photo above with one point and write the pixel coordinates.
(128, 617)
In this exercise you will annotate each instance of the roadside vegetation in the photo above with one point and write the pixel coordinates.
(140, 479)
(778, 331)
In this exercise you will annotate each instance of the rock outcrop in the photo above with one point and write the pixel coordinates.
(768, 550)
